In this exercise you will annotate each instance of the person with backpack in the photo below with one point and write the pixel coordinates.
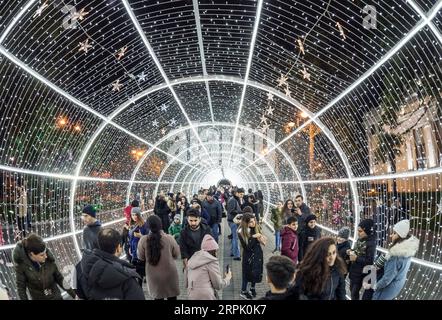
(215, 211)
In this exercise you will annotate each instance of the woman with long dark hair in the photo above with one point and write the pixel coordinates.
(321, 273)
(160, 250)
(251, 239)
(288, 210)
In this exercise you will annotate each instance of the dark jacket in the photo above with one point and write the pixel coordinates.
(187, 245)
(334, 289)
(342, 251)
(306, 237)
(252, 258)
(289, 244)
(214, 210)
(106, 277)
(90, 235)
(233, 208)
(161, 208)
(290, 294)
(37, 278)
(365, 250)
(305, 210)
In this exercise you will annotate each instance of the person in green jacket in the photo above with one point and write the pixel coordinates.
(277, 220)
(175, 227)
(37, 271)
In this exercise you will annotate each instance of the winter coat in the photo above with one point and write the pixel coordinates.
(37, 278)
(175, 230)
(203, 277)
(161, 208)
(342, 252)
(289, 244)
(395, 269)
(334, 289)
(305, 210)
(134, 240)
(307, 237)
(187, 245)
(290, 294)
(90, 235)
(365, 249)
(252, 258)
(107, 277)
(214, 210)
(162, 279)
(277, 219)
(233, 208)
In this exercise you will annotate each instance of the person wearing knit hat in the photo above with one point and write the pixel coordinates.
(344, 233)
(308, 235)
(362, 255)
(367, 225)
(175, 227)
(91, 228)
(402, 228)
(398, 259)
(202, 275)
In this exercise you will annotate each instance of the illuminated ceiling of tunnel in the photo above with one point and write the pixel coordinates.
(339, 101)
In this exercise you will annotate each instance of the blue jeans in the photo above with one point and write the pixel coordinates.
(235, 244)
(244, 284)
(278, 240)
(215, 231)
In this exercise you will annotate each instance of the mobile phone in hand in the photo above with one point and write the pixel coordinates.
(227, 268)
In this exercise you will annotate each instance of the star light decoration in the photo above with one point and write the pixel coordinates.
(141, 77)
(301, 46)
(120, 53)
(341, 30)
(164, 107)
(40, 10)
(305, 74)
(116, 85)
(84, 46)
(79, 15)
(155, 123)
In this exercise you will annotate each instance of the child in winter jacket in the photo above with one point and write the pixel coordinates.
(175, 227)
(289, 239)
(343, 244)
(308, 235)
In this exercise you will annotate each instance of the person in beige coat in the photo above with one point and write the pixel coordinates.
(160, 250)
(203, 276)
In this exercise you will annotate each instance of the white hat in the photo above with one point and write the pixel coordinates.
(402, 228)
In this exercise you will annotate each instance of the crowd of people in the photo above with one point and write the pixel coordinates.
(304, 265)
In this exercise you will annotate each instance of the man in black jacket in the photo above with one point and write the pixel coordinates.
(234, 208)
(362, 255)
(103, 276)
(215, 212)
(192, 235)
(302, 212)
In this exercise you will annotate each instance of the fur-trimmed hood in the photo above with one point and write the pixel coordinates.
(406, 248)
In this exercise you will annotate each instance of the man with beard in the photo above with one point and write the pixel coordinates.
(192, 235)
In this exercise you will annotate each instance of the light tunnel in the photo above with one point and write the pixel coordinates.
(339, 101)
